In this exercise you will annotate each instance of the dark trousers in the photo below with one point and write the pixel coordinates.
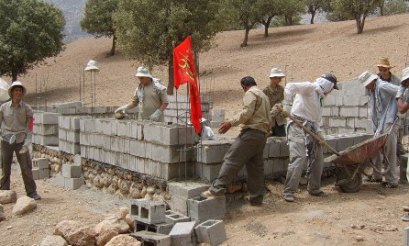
(247, 150)
(25, 165)
(278, 131)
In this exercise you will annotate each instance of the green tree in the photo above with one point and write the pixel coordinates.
(395, 7)
(355, 9)
(291, 11)
(314, 6)
(30, 32)
(148, 30)
(269, 9)
(98, 20)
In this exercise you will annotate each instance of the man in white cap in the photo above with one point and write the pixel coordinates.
(150, 95)
(383, 111)
(305, 102)
(15, 116)
(275, 94)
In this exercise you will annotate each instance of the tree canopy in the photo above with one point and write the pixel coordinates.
(30, 32)
(98, 19)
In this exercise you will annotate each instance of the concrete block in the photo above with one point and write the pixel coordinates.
(47, 140)
(117, 144)
(218, 114)
(148, 211)
(274, 147)
(77, 160)
(115, 158)
(87, 125)
(134, 129)
(268, 167)
(137, 148)
(39, 174)
(363, 112)
(212, 151)
(162, 133)
(75, 123)
(179, 170)
(284, 148)
(182, 234)
(351, 123)
(349, 112)
(59, 180)
(64, 122)
(181, 191)
(337, 122)
(208, 172)
(41, 163)
(73, 136)
(84, 151)
(67, 105)
(71, 171)
(326, 111)
(152, 238)
(162, 228)
(406, 236)
(72, 148)
(363, 123)
(85, 138)
(73, 183)
(62, 134)
(44, 130)
(173, 217)
(104, 126)
(211, 232)
(124, 128)
(201, 209)
(167, 154)
(46, 118)
(140, 165)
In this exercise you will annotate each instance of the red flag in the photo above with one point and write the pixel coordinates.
(184, 69)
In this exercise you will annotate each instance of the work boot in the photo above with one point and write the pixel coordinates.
(209, 194)
(35, 196)
(289, 197)
(316, 193)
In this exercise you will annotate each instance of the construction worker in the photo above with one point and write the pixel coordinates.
(275, 94)
(383, 111)
(15, 118)
(248, 147)
(305, 152)
(150, 95)
(384, 72)
(403, 107)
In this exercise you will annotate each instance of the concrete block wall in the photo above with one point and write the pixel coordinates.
(69, 134)
(178, 106)
(346, 110)
(45, 130)
(145, 147)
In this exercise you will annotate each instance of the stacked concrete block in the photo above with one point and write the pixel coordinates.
(183, 234)
(162, 228)
(180, 192)
(41, 168)
(45, 130)
(211, 232)
(71, 177)
(178, 109)
(173, 217)
(201, 209)
(152, 238)
(69, 134)
(148, 211)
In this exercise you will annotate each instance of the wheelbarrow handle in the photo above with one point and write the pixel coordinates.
(320, 140)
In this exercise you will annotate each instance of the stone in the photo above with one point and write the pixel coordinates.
(211, 232)
(66, 227)
(7, 196)
(123, 240)
(53, 240)
(105, 236)
(183, 234)
(130, 221)
(112, 224)
(152, 238)
(24, 205)
(123, 212)
(82, 236)
(2, 216)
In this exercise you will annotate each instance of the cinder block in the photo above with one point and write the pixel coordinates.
(104, 126)
(162, 228)
(212, 151)
(349, 112)
(166, 153)
(124, 128)
(202, 209)
(87, 125)
(208, 172)
(274, 146)
(162, 133)
(41, 163)
(117, 144)
(77, 160)
(211, 232)
(85, 138)
(173, 217)
(71, 171)
(46, 118)
(337, 122)
(45, 130)
(182, 234)
(47, 140)
(73, 183)
(73, 136)
(59, 180)
(75, 123)
(181, 191)
(148, 211)
(64, 122)
(62, 134)
(137, 148)
(152, 238)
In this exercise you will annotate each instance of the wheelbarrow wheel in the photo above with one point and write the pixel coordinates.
(345, 183)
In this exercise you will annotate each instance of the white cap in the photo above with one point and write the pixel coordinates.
(143, 72)
(17, 84)
(367, 77)
(91, 66)
(276, 72)
(405, 74)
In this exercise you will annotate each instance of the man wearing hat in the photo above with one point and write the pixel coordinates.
(247, 149)
(384, 72)
(15, 116)
(403, 94)
(150, 95)
(304, 99)
(275, 94)
(383, 111)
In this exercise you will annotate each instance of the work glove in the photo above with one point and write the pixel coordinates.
(276, 110)
(156, 115)
(207, 133)
(121, 109)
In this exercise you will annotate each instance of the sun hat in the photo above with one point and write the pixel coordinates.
(384, 62)
(276, 72)
(366, 78)
(405, 74)
(143, 72)
(91, 66)
(17, 84)
(332, 78)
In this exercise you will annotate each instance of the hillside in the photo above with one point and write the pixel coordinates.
(308, 50)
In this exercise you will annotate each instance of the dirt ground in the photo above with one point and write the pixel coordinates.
(370, 217)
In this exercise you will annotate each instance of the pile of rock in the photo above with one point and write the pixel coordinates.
(23, 205)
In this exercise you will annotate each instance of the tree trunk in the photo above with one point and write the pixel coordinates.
(112, 52)
(360, 24)
(246, 36)
(171, 76)
(14, 75)
(267, 25)
(312, 17)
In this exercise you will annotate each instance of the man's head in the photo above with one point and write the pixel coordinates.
(368, 80)
(384, 68)
(405, 77)
(144, 76)
(16, 91)
(247, 82)
(276, 75)
(327, 83)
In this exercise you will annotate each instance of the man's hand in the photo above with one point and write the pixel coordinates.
(121, 109)
(156, 115)
(224, 127)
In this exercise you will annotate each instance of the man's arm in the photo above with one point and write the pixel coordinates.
(403, 106)
(388, 88)
(249, 104)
